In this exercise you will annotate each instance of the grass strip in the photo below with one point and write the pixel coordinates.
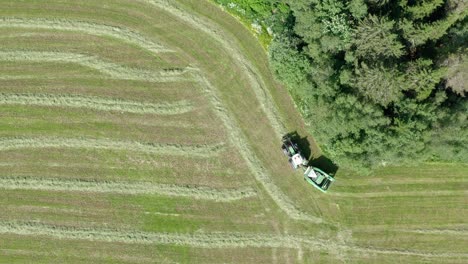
(203, 240)
(120, 33)
(96, 103)
(108, 68)
(78, 185)
(107, 144)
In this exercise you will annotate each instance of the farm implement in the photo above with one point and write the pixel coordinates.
(313, 175)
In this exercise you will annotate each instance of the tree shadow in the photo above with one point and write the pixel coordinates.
(322, 162)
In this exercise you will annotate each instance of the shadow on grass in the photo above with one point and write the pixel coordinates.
(322, 162)
(325, 164)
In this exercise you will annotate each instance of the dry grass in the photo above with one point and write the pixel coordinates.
(258, 170)
(120, 33)
(96, 103)
(76, 185)
(106, 144)
(108, 68)
(203, 240)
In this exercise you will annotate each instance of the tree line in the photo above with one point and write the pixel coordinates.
(377, 82)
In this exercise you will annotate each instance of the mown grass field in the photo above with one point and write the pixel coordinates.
(148, 132)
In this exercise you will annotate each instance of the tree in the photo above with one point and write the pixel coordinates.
(380, 84)
(423, 9)
(374, 38)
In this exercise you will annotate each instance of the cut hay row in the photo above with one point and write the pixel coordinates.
(202, 240)
(216, 33)
(120, 33)
(76, 185)
(401, 194)
(238, 139)
(235, 135)
(107, 144)
(111, 69)
(96, 103)
(452, 232)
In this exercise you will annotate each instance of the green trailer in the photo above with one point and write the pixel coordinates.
(318, 178)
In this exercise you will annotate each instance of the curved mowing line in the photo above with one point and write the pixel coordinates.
(255, 79)
(238, 139)
(196, 192)
(395, 194)
(89, 143)
(235, 135)
(201, 240)
(86, 27)
(96, 103)
(113, 70)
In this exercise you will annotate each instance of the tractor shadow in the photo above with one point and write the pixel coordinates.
(322, 162)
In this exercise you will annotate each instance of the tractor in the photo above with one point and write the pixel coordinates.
(314, 176)
(291, 150)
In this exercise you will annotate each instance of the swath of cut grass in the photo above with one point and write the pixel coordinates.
(401, 194)
(107, 144)
(96, 103)
(203, 240)
(217, 34)
(235, 135)
(77, 185)
(238, 139)
(111, 69)
(120, 33)
(452, 232)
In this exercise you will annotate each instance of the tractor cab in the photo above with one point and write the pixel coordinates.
(291, 150)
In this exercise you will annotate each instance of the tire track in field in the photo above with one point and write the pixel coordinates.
(107, 144)
(120, 33)
(204, 240)
(134, 188)
(238, 139)
(401, 194)
(257, 84)
(96, 103)
(111, 69)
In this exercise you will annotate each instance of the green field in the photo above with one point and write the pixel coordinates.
(149, 132)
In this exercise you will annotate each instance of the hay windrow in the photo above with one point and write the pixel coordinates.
(120, 33)
(203, 240)
(108, 144)
(133, 188)
(435, 231)
(218, 34)
(95, 103)
(401, 194)
(113, 70)
(238, 139)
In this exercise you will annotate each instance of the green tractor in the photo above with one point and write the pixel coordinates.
(315, 176)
